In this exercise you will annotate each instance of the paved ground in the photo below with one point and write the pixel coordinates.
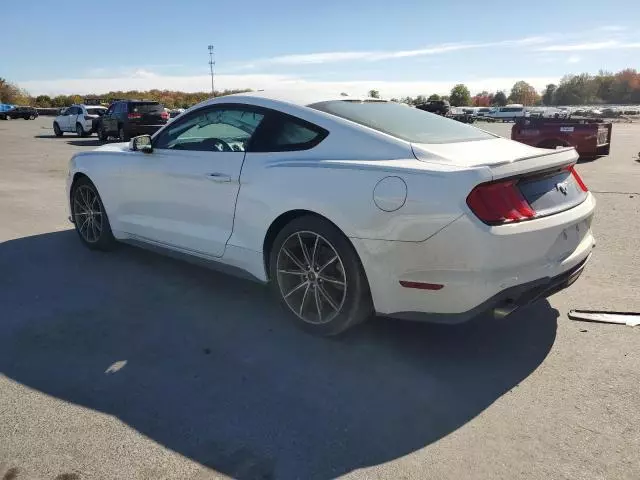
(130, 365)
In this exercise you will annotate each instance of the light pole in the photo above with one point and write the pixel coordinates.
(211, 64)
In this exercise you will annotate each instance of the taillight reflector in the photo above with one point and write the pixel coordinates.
(499, 202)
(577, 178)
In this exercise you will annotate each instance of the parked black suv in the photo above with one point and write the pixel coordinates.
(128, 118)
(28, 113)
(440, 107)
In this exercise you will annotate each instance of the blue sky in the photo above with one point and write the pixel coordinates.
(399, 47)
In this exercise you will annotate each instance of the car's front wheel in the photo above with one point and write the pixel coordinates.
(317, 275)
(56, 130)
(89, 216)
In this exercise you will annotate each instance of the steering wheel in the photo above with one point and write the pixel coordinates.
(211, 143)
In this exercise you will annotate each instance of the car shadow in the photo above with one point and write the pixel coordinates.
(49, 136)
(87, 142)
(75, 140)
(210, 367)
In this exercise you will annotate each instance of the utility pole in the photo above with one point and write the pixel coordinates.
(212, 62)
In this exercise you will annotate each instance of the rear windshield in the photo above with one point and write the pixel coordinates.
(96, 111)
(402, 121)
(145, 107)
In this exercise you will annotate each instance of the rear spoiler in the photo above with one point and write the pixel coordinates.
(561, 157)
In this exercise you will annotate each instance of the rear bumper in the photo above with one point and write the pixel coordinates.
(479, 267)
(134, 130)
(507, 301)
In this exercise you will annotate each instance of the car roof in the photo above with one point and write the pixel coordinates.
(298, 97)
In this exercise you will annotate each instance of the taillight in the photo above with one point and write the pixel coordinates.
(577, 178)
(499, 202)
(134, 115)
(164, 115)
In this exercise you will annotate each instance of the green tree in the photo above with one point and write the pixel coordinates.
(43, 101)
(548, 95)
(500, 99)
(523, 93)
(11, 93)
(419, 100)
(460, 96)
(374, 93)
(433, 97)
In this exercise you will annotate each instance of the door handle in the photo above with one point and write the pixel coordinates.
(218, 177)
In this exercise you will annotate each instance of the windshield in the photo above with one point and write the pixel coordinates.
(402, 121)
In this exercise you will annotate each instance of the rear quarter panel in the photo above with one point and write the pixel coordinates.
(342, 192)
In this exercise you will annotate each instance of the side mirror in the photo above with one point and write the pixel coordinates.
(141, 143)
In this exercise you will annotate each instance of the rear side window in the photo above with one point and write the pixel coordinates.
(401, 121)
(95, 111)
(284, 133)
(145, 107)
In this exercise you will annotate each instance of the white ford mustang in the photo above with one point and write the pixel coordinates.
(347, 207)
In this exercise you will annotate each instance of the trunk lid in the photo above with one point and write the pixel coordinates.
(544, 178)
(149, 113)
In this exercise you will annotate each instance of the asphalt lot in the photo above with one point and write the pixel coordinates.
(130, 365)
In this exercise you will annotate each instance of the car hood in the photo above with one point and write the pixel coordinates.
(113, 147)
(476, 153)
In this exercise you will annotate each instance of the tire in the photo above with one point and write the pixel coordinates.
(32, 117)
(56, 130)
(80, 131)
(122, 135)
(102, 134)
(90, 217)
(334, 294)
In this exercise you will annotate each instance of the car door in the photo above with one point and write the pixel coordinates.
(183, 195)
(73, 118)
(63, 119)
(109, 121)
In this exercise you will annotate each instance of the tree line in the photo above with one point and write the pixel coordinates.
(612, 88)
(12, 94)
(584, 89)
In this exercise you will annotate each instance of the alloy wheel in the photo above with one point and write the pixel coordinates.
(87, 213)
(311, 277)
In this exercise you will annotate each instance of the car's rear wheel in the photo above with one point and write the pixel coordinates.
(79, 130)
(317, 275)
(56, 130)
(32, 117)
(89, 215)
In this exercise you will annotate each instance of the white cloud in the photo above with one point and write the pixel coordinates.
(581, 47)
(574, 59)
(270, 81)
(377, 55)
